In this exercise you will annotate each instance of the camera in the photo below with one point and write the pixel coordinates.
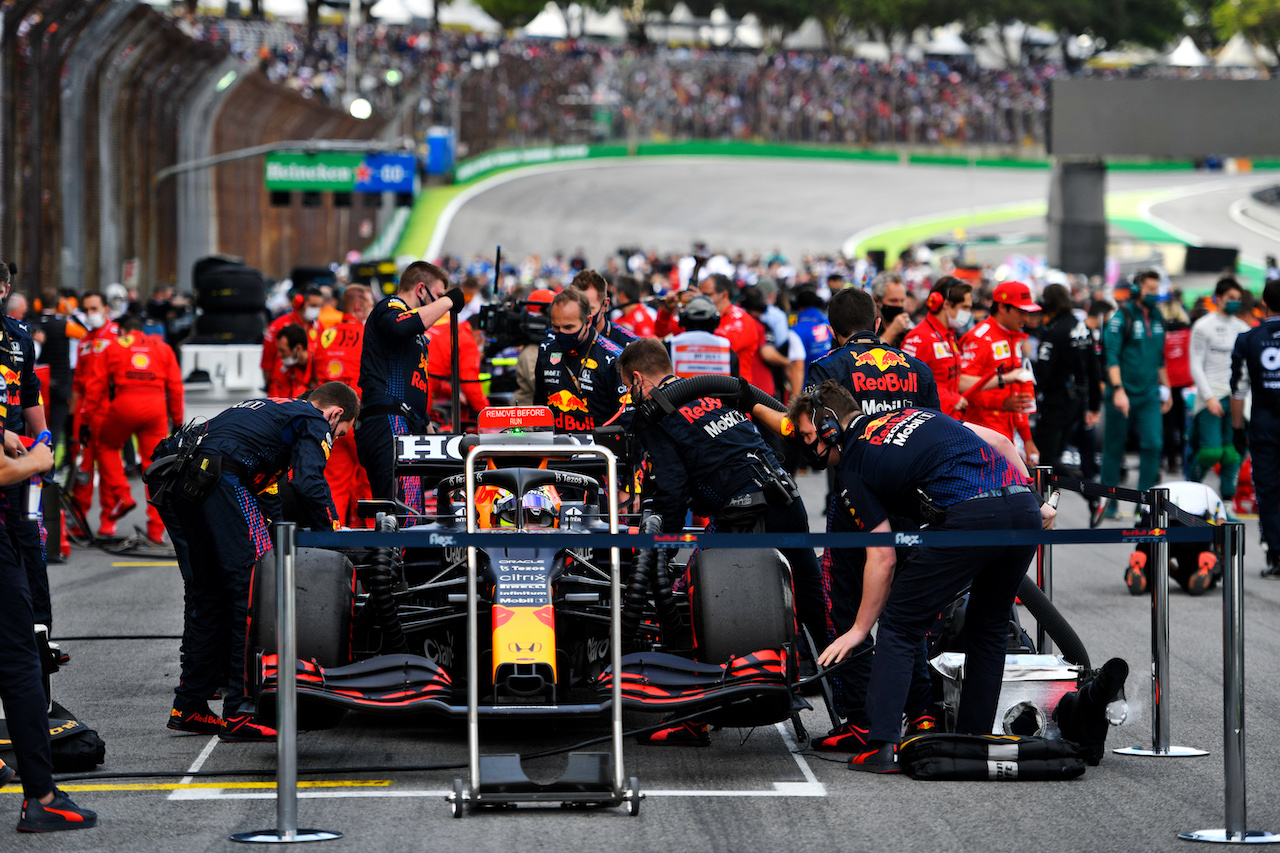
(513, 324)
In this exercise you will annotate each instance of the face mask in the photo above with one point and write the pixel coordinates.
(311, 314)
(1231, 306)
(569, 341)
(962, 318)
(817, 455)
(289, 361)
(889, 312)
(1150, 300)
(95, 321)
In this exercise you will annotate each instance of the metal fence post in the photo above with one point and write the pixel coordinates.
(286, 830)
(1231, 537)
(1044, 566)
(1160, 746)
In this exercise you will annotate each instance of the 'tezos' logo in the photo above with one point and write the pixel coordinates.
(881, 358)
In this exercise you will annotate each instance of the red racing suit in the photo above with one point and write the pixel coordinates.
(135, 389)
(440, 372)
(289, 382)
(937, 347)
(639, 319)
(336, 358)
(90, 348)
(990, 349)
(270, 357)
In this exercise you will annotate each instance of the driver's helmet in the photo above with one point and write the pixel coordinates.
(541, 510)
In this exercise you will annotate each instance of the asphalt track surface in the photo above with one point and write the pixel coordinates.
(748, 791)
(797, 206)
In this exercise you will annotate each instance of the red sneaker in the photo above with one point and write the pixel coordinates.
(846, 738)
(120, 510)
(1135, 576)
(107, 529)
(1202, 578)
(242, 728)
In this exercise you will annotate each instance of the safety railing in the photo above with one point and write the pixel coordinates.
(1229, 537)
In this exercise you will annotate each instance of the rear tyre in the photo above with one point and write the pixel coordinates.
(325, 598)
(245, 328)
(740, 602)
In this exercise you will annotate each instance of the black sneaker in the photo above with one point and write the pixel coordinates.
(201, 721)
(1271, 572)
(844, 738)
(6, 774)
(242, 728)
(883, 759)
(58, 815)
(1096, 507)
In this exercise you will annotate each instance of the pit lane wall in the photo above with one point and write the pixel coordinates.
(101, 95)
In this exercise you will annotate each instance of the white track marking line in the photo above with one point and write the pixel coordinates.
(195, 768)
(811, 787)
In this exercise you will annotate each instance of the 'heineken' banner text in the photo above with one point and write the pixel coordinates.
(337, 171)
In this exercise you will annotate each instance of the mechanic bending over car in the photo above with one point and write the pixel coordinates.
(393, 375)
(44, 807)
(215, 487)
(924, 467)
(881, 379)
(706, 455)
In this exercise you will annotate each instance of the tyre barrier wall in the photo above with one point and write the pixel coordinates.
(99, 96)
(1229, 537)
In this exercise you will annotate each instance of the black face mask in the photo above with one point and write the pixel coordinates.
(817, 455)
(889, 312)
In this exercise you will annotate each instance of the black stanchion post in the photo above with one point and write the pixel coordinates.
(1044, 565)
(286, 830)
(1160, 746)
(1231, 538)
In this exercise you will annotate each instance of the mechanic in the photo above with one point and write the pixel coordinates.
(921, 466)
(881, 379)
(1213, 337)
(950, 305)
(706, 456)
(698, 350)
(1068, 382)
(337, 359)
(292, 374)
(23, 413)
(101, 331)
(1000, 392)
(218, 530)
(44, 807)
(1137, 385)
(306, 313)
(890, 295)
(57, 333)
(135, 390)
(1255, 366)
(393, 375)
(596, 289)
(576, 374)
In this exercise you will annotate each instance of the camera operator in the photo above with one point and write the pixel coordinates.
(699, 351)
(708, 457)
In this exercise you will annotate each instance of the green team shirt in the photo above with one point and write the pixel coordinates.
(1136, 343)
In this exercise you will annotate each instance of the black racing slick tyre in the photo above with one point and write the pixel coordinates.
(740, 602)
(229, 288)
(325, 599)
(230, 328)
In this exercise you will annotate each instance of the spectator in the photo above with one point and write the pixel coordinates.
(890, 295)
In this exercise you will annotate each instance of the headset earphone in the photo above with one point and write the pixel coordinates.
(936, 297)
(828, 426)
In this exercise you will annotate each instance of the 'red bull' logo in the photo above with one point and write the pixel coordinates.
(909, 384)
(882, 359)
(701, 407)
(569, 413)
(13, 382)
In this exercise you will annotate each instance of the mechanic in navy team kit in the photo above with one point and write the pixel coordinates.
(576, 374)
(596, 289)
(23, 414)
(219, 502)
(922, 467)
(1255, 367)
(393, 375)
(45, 808)
(880, 379)
(707, 456)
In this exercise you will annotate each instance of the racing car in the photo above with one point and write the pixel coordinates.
(384, 630)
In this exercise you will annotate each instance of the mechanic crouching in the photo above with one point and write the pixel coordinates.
(214, 486)
(706, 455)
(924, 467)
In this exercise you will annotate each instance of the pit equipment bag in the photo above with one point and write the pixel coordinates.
(997, 758)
